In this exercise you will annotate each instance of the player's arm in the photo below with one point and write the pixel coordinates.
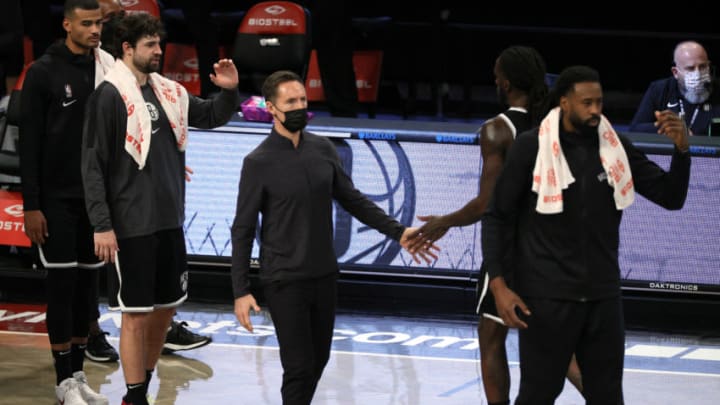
(495, 139)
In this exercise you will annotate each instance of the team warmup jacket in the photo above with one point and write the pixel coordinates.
(53, 99)
(118, 195)
(572, 255)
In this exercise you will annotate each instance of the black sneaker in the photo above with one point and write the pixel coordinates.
(98, 349)
(180, 338)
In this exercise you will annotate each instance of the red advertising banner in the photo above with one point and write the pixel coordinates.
(23, 318)
(12, 225)
(367, 66)
(313, 84)
(181, 65)
(141, 6)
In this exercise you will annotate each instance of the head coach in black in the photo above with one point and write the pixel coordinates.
(291, 178)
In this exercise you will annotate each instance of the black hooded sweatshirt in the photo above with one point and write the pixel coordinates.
(52, 105)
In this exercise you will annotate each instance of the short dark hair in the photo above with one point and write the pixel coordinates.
(71, 5)
(525, 69)
(134, 27)
(272, 82)
(565, 83)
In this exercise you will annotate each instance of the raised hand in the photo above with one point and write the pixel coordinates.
(673, 126)
(226, 75)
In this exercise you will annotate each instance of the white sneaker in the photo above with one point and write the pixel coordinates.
(90, 396)
(68, 393)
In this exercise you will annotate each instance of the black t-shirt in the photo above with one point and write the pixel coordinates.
(165, 164)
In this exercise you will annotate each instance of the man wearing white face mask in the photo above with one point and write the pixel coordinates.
(688, 92)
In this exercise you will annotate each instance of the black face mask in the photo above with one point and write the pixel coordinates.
(295, 120)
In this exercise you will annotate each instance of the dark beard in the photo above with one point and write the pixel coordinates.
(148, 68)
(583, 127)
(587, 130)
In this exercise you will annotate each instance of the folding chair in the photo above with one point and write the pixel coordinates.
(142, 6)
(273, 35)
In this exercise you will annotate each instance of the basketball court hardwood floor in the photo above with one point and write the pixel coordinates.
(375, 360)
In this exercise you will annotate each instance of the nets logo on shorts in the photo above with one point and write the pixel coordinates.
(184, 281)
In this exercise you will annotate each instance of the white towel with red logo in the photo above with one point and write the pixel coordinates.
(552, 175)
(173, 99)
(103, 63)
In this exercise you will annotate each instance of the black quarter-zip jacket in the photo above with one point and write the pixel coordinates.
(293, 189)
(572, 255)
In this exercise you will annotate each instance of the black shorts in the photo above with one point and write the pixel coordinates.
(70, 236)
(150, 272)
(485, 300)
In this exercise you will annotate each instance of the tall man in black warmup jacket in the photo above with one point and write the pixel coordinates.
(562, 190)
(292, 178)
(52, 107)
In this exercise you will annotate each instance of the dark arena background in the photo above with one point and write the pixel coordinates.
(414, 151)
(425, 82)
